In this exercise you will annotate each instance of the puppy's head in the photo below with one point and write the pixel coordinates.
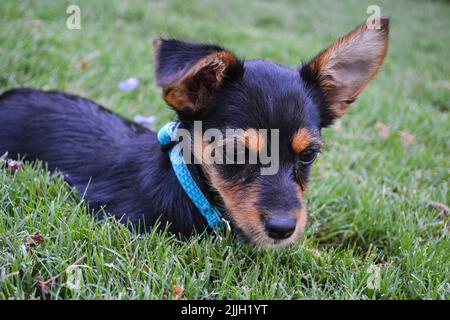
(274, 112)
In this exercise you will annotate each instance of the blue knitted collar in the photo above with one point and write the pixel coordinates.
(211, 213)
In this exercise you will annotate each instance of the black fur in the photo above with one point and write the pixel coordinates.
(116, 162)
(120, 165)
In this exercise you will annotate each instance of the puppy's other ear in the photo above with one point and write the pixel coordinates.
(189, 74)
(344, 68)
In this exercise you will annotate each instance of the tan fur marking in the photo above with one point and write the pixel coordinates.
(341, 82)
(302, 217)
(241, 207)
(240, 202)
(179, 94)
(253, 140)
(302, 139)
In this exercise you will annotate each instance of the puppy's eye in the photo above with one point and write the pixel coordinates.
(307, 157)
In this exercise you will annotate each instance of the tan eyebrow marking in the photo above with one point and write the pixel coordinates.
(253, 140)
(302, 139)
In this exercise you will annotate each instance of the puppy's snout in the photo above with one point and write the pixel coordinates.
(280, 226)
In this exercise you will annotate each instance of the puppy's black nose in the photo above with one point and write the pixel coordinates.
(280, 227)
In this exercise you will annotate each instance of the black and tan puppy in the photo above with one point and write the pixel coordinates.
(123, 170)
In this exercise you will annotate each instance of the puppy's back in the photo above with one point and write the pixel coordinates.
(54, 126)
(100, 153)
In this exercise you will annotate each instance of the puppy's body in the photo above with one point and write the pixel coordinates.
(120, 166)
(116, 163)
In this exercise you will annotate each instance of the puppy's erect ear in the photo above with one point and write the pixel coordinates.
(344, 68)
(190, 73)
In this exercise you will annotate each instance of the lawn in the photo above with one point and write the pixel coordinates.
(372, 233)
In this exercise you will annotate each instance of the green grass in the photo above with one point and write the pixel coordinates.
(366, 201)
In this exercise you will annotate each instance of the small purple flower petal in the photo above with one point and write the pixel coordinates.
(144, 121)
(128, 84)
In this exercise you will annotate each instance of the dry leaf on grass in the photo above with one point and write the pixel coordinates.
(177, 291)
(406, 139)
(46, 285)
(383, 130)
(85, 60)
(440, 206)
(84, 64)
(35, 240)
